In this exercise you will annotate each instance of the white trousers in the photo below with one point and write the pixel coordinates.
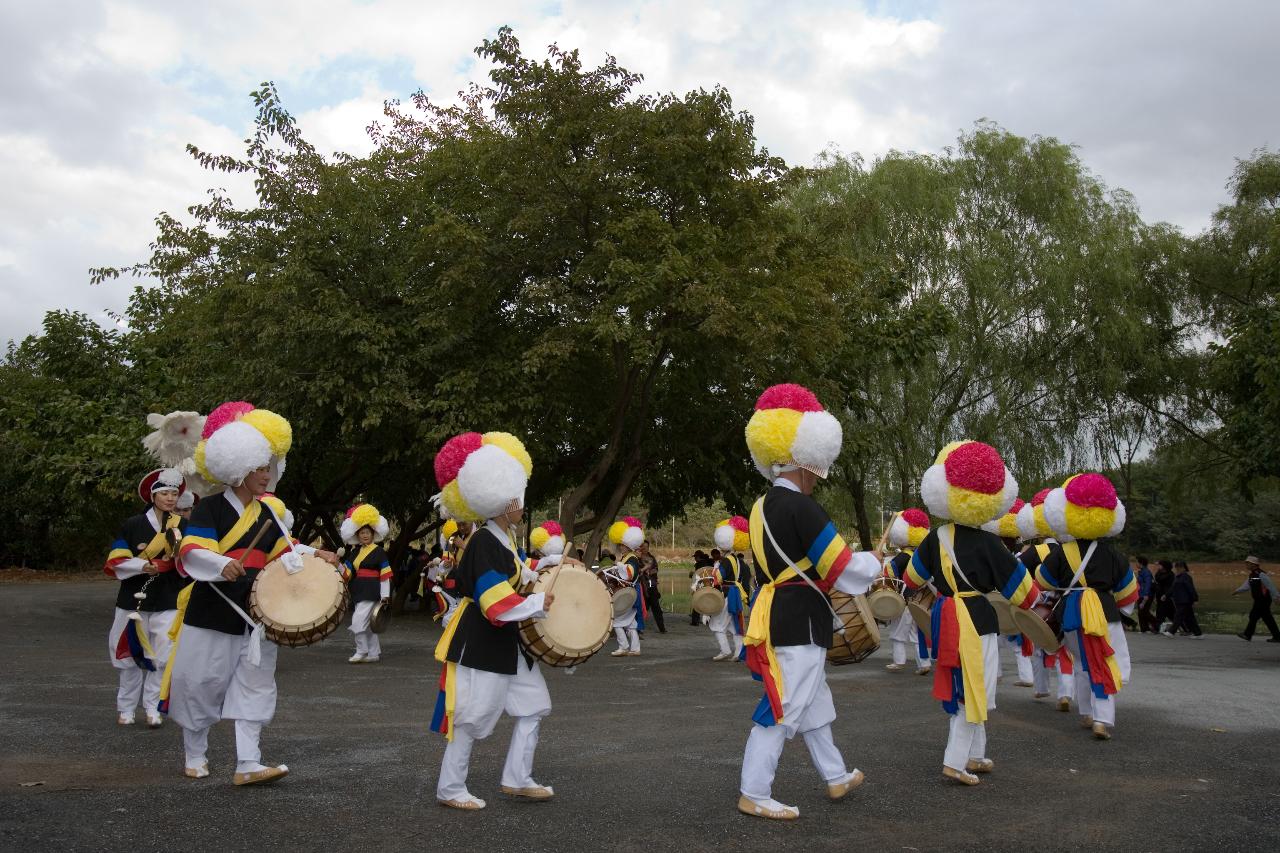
(137, 684)
(1026, 669)
(966, 740)
(1040, 673)
(367, 642)
(1102, 710)
(628, 638)
(626, 620)
(807, 708)
(480, 699)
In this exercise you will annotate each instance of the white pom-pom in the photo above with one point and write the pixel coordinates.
(724, 537)
(993, 526)
(348, 531)
(899, 532)
(553, 547)
(235, 450)
(1008, 495)
(1027, 522)
(1055, 513)
(288, 520)
(633, 538)
(381, 529)
(817, 442)
(490, 480)
(1118, 524)
(933, 491)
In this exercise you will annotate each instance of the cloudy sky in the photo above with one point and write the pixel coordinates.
(98, 97)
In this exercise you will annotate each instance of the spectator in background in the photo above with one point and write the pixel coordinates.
(649, 585)
(1184, 596)
(1162, 586)
(700, 561)
(1262, 589)
(1146, 585)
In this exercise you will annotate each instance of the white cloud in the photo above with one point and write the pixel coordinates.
(97, 99)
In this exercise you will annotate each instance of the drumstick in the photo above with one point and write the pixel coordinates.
(884, 537)
(555, 572)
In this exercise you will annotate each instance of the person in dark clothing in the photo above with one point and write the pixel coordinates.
(1146, 586)
(1184, 596)
(1263, 590)
(700, 561)
(1163, 581)
(649, 586)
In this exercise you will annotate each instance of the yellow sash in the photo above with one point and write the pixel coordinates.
(365, 551)
(243, 525)
(758, 626)
(158, 544)
(175, 631)
(1093, 619)
(451, 669)
(972, 667)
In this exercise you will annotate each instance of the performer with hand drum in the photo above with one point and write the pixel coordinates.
(369, 570)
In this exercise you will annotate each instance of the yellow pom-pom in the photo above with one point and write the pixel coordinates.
(449, 528)
(198, 458)
(1089, 522)
(770, 434)
(365, 515)
(616, 530)
(972, 508)
(916, 535)
(741, 540)
(277, 430)
(451, 497)
(538, 537)
(512, 445)
(946, 451)
(277, 505)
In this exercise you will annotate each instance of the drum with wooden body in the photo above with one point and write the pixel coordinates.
(622, 593)
(920, 606)
(706, 599)
(1004, 612)
(577, 623)
(301, 608)
(1041, 625)
(885, 598)
(861, 636)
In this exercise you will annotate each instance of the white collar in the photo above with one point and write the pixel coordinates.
(153, 516)
(786, 484)
(493, 527)
(230, 495)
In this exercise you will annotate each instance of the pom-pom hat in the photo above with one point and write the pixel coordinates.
(969, 484)
(238, 439)
(359, 516)
(909, 528)
(1031, 523)
(548, 537)
(789, 429)
(1006, 526)
(161, 480)
(629, 532)
(733, 534)
(482, 476)
(1085, 507)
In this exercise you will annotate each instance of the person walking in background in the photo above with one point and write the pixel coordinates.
(701, 560)
(1184, 596)
(649, 586)
(1163, 585)
(1146, 584)
(1263, 590)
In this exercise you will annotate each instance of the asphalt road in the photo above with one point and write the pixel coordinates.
(643, 752)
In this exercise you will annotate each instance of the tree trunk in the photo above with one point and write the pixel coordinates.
(858, 490)
(626, 478)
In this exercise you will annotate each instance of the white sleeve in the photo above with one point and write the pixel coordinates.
(133, 566)
(304, 550)
(856, 578)
(550, 560)
(530, 608)
(204, 565)
(384, 589)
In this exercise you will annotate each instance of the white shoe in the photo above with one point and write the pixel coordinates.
(196, 772)
(154, 721)
(771, 809)
(1166, 633)
(620, 653)
(721, 656)
(371, 659)
(894, 667)
(124, 720)
(358, 657)
(467, 803)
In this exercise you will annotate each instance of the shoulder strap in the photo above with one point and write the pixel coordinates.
(1072, 552)
(838, 622)
(950, 562)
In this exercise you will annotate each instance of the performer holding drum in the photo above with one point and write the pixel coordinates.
(1006, 527)
(369, 571)
(800, 558)
(1049, 653)
(906, 532)
(969, 484)
(486, 672)
(623, 580)
(221, 670)
(142, 559)
(1097, 586)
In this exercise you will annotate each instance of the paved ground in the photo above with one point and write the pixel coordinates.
(643, 753)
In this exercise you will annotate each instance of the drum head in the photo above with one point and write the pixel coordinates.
(380, 618)
(921, 615)
(1036, 630)
(708, 601)
(300, 599)
(886, 605)
(623, 600)
(1004, 613)
(580, 615)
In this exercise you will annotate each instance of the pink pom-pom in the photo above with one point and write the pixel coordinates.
(1038, 497)
(1091, 490)
(223, 415)
(740, 524)
(553, 528)
(789, 396)
(977, 467)
(1018, 503)
(352, 510)
(915, 518)
(632, 521)
(454, 453)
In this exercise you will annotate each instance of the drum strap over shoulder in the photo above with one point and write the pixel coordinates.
(969, 642)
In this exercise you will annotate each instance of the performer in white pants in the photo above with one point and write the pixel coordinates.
(486, 671)
(369, 571)
(1042, 664)
(142, 559)
(729, 625)
(222, 670)
(906, 532)
(1039, 543)
(628, 533)
(799, 559)
(1098, 585)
